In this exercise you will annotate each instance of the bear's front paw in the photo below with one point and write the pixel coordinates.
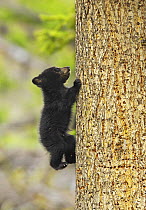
(77, 83)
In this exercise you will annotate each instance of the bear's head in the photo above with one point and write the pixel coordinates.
(52, 77)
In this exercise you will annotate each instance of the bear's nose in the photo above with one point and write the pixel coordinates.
(65, 70)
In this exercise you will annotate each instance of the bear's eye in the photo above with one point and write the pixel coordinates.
(57, 70)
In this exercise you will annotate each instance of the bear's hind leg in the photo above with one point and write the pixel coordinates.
(56, 160)
(70, 156)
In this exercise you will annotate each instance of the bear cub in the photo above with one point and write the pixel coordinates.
(56, 115)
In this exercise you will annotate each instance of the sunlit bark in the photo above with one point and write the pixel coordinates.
(110, 109)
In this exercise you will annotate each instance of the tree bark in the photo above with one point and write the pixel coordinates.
(111, 105)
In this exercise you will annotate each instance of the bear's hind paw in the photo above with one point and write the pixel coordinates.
(62, 166)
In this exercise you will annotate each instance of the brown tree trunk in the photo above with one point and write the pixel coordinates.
(110, 110)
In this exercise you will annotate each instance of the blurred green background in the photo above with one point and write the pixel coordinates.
(34, 35)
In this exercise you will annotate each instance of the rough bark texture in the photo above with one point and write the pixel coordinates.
(110, 109)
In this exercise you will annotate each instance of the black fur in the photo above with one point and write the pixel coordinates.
(56, 114)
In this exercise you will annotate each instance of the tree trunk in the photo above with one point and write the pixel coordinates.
(110, 108)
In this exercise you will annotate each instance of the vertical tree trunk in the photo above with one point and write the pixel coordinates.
(110, 109)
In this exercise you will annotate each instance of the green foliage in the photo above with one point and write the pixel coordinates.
(4, 114)
(57, 32)
(51, 7)
(64, 57)
(53, 30)
(11, 16)
(57, 24)
(26, 138)
(73, 132)
(17, 36)
(16, 27)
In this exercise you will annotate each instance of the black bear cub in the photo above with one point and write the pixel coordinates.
(56, 114)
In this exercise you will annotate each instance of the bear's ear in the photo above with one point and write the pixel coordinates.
(37, 81)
